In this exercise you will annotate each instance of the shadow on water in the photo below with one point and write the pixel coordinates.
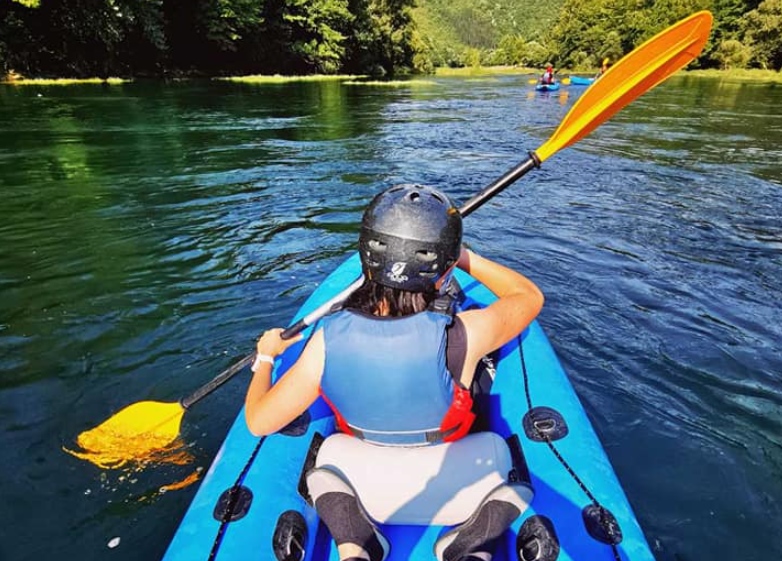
(150, 232)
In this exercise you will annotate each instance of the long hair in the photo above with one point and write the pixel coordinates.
(370, 295)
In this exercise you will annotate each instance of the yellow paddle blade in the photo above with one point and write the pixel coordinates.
(565, 81)
(142, 432)
(633, 75)
(532, 81)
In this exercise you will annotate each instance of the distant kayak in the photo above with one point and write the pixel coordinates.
(547, 87)
(580, 81)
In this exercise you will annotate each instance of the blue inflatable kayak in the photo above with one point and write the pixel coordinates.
(581, 81)
(547, 87)
(253, 501)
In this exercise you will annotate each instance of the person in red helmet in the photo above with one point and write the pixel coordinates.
(548, 76)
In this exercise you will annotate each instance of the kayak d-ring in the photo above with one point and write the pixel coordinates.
(542, 424)
(537, 540)
(289, 540)
(233, 504)
(601, 524)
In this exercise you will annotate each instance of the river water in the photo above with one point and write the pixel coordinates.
(149, 232)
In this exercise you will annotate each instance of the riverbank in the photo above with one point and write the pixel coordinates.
(745, 75)
(21, 81)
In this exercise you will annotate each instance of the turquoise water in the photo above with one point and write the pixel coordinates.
(149, 232)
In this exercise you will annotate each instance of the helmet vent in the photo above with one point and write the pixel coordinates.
(377, 245)
(425, 256)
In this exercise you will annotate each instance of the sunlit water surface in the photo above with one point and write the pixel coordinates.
(149, 233)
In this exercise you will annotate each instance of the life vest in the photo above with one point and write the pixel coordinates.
(387, 381)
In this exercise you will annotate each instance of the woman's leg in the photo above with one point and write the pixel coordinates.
(474, 539)
(339, 508)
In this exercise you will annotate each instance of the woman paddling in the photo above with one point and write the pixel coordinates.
(396, 367)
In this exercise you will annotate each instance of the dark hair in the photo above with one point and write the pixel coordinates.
(370, 295)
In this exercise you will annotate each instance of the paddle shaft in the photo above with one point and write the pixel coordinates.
(216, 382)
(508, 179)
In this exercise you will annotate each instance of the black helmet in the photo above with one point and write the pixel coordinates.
(410, 237)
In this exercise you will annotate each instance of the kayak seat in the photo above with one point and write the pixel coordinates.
(441, 485)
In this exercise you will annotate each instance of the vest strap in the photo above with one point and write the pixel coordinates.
(412, 439)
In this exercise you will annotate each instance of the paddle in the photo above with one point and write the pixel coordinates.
(142, 429)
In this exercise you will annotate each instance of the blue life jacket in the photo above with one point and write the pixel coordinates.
(387, 381)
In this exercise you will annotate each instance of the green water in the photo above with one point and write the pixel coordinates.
(149, 232)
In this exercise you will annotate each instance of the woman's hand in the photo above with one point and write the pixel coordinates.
(272, 344)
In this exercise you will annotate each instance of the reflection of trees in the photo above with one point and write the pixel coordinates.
(124, 205)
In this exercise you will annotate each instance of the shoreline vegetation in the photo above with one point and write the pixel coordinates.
(170, 40)
(742, 75)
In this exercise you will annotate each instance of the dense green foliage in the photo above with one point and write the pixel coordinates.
(213, 37)
(578, 34)
(465, 32)
(75, 38)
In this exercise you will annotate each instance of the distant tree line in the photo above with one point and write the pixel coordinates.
(80, 38)
(579, 34)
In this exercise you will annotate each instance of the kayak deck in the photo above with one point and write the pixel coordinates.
(252, 498)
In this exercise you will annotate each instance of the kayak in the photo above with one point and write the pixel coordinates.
(253, 501)
(547, 87)
(581, 81)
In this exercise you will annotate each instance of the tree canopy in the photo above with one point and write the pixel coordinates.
(81, 38)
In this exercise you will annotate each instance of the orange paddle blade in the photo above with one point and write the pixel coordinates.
(139, 433)
(633, 75)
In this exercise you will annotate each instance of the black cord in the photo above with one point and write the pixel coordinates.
(233, 494)
(607, 527)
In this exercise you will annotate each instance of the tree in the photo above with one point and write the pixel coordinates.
(227, 22)
(383, 40)
(762, 30)
(732, 54)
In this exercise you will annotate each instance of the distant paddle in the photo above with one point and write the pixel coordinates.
(142, 430)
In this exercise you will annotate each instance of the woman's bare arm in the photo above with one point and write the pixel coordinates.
(269, 408)
(518, 304)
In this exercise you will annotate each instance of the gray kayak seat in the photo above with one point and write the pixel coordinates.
(441, 485)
